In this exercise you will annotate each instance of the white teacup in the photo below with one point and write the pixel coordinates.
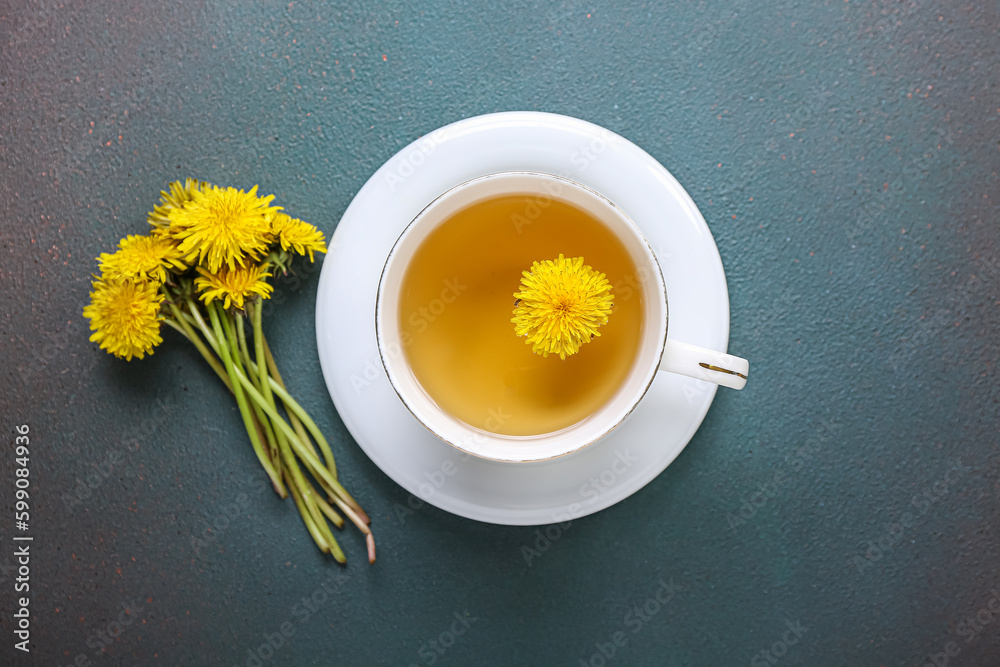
(656, 351)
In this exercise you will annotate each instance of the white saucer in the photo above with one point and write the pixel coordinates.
(507, 493)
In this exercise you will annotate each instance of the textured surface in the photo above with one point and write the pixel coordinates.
(845, 155)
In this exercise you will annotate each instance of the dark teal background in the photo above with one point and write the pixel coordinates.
(845, 156)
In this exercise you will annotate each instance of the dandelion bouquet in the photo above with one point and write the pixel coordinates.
(203, 270)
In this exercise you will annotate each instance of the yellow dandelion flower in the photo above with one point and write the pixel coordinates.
(141, 258)
(223, 227)
(561, 304)
(233, 285)
(176, 197)
(124, 316)
(301, 236)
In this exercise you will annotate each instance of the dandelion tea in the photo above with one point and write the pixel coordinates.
(456, 305)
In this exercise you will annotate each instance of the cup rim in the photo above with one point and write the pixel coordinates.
(603, 431)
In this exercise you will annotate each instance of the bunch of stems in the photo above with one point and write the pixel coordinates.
(284, 437)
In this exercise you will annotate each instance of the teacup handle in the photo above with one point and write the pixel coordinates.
(703, 364)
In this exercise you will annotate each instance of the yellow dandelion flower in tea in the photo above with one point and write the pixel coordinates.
(141, 258)
(233, 286)
(178, 195)
(223, 226)
(298, 235)
(124, 316)
(560, 306)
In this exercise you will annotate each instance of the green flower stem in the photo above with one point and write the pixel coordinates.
(309, 458)
(361, 523)
(298, 480)
(176, 327)
(192, 336)
(241, 400)
(186, 321)
(194, 323)
(333, 487)
(313, 515)
(314, 502)
(183, 327)
(229, 338)
(281, 491)
(269, 435)
(196, 314)
(307, 518)
(260, 370)
(306, 499)
(241, 338)
(310, 502)
(209, 339)
(351, 514)
(233, 322)
(256, 310)
(330, 513)
(206, 333)
(336, 551)
(197, 321)
(294, 408)
(264, 429)
(338, 494)
(245, 356)
(310, 497)
(313, 508)
(212, 361)
(296, 424)
(318, 521)
(304, 452)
